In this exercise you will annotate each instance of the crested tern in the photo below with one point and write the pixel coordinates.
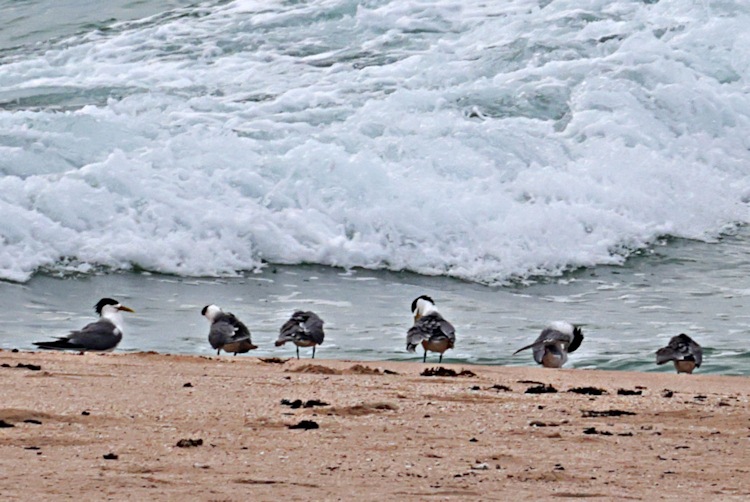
(683, 351)
(552, 346)
(303, 329)
(227, 333)
(430, 329)
(99, 336)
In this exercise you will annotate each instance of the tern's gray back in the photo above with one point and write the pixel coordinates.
(226, 329)
(303, 327)
(550, 340)
(239, 327)
(314, 327)
(430, 326)
(680, 348)
(101, 335)
(220, 334)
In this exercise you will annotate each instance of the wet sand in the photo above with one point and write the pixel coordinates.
(146, 426)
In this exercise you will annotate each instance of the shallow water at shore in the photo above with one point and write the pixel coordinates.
(627, 312)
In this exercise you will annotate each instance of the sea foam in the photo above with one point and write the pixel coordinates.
(474, 140)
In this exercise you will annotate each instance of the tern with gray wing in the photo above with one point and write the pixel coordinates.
(303, 329)
(683, 351)
(430, 329)
(100, 336)
(227, 333)
(552, 346)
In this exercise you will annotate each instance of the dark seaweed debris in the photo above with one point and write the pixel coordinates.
(590, 391)
(541, 389)
(32, 367)
(273, 360)
(305, 425)
(189, 443)
(298, 403)
(605, 413)
(499, 388)
(627, 392)
(592, 430)
(447, 372)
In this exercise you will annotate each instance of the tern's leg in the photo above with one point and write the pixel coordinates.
(424, 358)
(441, 358)
(313, 352)
(297, 351)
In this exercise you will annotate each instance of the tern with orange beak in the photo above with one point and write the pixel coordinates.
(100, 336)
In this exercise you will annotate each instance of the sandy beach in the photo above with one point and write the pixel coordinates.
(149, 426)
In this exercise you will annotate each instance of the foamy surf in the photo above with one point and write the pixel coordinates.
(483, 142)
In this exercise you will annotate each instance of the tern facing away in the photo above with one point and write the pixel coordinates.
(430, 329)
(303, 329)
(683, 351)
(227, 333)
(99, 336)
(552, 346)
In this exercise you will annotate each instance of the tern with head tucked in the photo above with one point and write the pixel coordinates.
(552, 346)
(227, 333)
(303, 329)
(683, 351)
(100, 336)
(430, 329)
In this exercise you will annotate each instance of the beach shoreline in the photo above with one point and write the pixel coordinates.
(627, 313)
(153, 426)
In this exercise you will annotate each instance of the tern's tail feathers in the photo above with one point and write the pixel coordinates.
(530, 346)
(411, 347)
(62, 344)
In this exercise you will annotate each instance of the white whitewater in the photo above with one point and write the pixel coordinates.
(480, 140)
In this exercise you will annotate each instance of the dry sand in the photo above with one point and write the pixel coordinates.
(381, 435)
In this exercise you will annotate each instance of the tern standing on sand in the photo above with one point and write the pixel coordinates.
(552, 346)
(683, 351)
(430, 329)
(100, 336)
(227, 333)
(303, 329)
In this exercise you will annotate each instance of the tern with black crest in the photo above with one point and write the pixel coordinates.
(100, 336)
(430, 329)
(227, 333)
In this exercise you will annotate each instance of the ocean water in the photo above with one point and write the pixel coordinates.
(492, 154)
(627, 312)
